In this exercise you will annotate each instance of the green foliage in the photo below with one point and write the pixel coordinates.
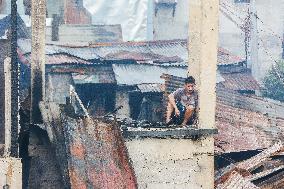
(274, 82)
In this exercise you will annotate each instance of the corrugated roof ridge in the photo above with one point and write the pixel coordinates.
(252, 163)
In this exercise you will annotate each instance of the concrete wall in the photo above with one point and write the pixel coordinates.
(271, 32)
(58, 87)
(169, 26)
(11, 173)
(172, 163)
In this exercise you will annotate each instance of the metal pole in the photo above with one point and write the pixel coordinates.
(253, 61)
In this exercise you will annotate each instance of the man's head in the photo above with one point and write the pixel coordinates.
(189, 84)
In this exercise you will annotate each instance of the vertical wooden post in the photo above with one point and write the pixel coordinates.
(37, 58)
(14, 82)
(7, 78)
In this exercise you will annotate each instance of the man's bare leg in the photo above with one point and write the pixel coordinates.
(188, 113)
(170, 109)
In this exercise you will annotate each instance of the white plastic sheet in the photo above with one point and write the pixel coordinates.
(131, 14)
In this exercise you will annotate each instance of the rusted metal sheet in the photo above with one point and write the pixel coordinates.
(261, 169)
(92, 152)
(240, 130)
(253, 162)
(240, 81)
(236, 181)
(98, 157)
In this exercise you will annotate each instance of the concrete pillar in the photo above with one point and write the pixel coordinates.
(37, 58)
(203, 39)
(7, 73)
(203, 49)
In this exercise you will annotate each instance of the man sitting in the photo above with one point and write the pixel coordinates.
(182, 103)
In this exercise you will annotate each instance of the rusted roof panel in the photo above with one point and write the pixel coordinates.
(92, 151)
(253, 162)
(247, 169)
(98, 157)
(236, 181)
(240, 81)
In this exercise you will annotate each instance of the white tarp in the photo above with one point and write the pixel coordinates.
(131, 14)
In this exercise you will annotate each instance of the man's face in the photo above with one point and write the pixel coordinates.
(189, 87)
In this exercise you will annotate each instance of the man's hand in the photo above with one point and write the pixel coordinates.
(177, 112)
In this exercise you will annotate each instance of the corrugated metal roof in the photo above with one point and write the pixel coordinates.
(64, 59)
(168, 51)
(253, 162)
(248, 169)
(142, 57)
(139, 74)
(240, 81)
(57, 59)
(151, 87)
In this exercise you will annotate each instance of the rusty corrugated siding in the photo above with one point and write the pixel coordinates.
(98, 156)
(253, 162)
(268, 176)
(236, 181)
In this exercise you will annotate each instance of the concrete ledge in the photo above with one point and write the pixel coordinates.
(176, 133)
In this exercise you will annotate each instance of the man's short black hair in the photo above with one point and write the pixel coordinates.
(189, 79)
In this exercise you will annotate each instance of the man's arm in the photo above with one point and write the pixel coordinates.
(173, 103)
